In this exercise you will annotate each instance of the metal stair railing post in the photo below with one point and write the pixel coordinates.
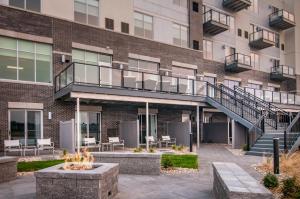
(289, 141)
(259, 125)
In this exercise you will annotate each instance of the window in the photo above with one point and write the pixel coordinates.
(124, 27)
(282, 47)
(87, 11)
(239, 32)
(246, 34)
(25, 60)
(195, 44)
(195, 7)
(254, 6)
(207, 49)
(254, 60)
(180, 35)
(143, 25)
(25, 125)
(209, 79)
(229, 51)
(277, 40)
(109, 23)
(88, 71)
(183, 72)
(231, 83)
(181, 3)
(141, 65)
(254, 86)
(276, 62)
(32, 5)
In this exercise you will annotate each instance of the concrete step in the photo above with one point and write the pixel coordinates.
(269, 150)
(257, 145)
(255, 153)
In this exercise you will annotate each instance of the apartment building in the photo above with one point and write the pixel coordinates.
(133, 68)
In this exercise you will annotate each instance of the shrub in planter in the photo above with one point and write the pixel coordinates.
(151, 150)
(167, 162)
(138, 150)
(174, 147)
(246, 147)
(290, 188)
(270, 181)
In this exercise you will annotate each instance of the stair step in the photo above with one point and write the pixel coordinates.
(256, 153)
(269, 150)
(257, 145)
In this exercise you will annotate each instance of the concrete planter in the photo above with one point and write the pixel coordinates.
(8, 168)
(100, 182)
(132, 163)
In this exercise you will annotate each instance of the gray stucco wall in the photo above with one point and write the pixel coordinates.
(215, 132)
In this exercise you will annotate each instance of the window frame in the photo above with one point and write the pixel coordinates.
(138, 69)
(25, 6)
(87, 13)
(205, 41)
(180, 35)
(143, 22)
(35, 53)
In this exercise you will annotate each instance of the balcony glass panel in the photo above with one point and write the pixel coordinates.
(116, 78)
(284, 98)
(200, 88)
(92, 74)
(151, 82)
(268, 96)
(276, 97)
(132, 79)
(169, 84)
(291, 99)
(79, 73)
(297, 101)
(259, 94)
(185, 86)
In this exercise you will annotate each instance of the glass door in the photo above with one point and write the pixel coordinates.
(90, 125)
(152, 127)
(25, 125)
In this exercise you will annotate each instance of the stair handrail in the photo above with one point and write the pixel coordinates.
(288, 132)
(236, 99)
(273, 113)
(256, 126)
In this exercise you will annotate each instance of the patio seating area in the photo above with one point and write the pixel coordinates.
(14, 147)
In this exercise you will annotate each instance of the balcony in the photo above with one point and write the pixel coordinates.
(215, 22)
(282, 20)
(88, 78)
(236, 5)
(281, 73)
(262, 39)
(237, 63)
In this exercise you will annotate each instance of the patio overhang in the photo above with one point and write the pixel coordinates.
(71, 92)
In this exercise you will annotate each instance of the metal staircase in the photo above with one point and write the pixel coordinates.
(263, 119)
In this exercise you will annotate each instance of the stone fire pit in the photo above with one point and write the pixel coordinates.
(99, 182)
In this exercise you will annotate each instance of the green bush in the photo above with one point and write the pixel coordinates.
(270, 181)
(290, 188)
(245, 147)
(180, 148)
(151, 150)
(167, 162)
(174, 147)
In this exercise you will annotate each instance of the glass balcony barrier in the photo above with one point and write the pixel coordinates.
(262, 34)
(284, 14)
(213, 15)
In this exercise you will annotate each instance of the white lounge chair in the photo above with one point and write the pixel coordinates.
(167, 140)
(151, 141)
(91, 143)
(12, 146)
(116, 142)
(45, 144)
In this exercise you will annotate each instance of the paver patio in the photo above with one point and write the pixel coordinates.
(189, 186)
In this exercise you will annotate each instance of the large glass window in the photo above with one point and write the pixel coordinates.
(143, 25)
(231, 83)
(25, 60)
(145, 66)
(254, 60)
(87, 11)
(183, 72)
(181, 3)
(254, 6)
(180, 35)
(33, 5)
(207, 49)
(25, 125)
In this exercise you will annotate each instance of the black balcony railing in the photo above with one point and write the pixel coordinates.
(262, 35)
(216, 16)
(284, 70)
(236, 5)
(238, 58)
(105, 76)
(282, 14)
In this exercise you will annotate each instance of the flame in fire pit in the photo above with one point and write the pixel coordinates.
(79, 161)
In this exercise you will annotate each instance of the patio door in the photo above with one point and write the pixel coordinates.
(152, 127)
(90, 124)
(25, 125)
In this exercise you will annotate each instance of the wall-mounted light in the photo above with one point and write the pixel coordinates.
(49, 115)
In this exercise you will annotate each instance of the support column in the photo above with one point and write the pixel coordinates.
(147, 126)
(78, 124)
(198, 127)
(233, 133)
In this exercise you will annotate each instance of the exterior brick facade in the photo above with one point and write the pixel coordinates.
(63, 34)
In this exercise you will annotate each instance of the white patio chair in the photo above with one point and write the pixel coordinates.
(151, 141)
(12, 146)
(167, 140)
(116, 142)
(91, 143)
(45, 144)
